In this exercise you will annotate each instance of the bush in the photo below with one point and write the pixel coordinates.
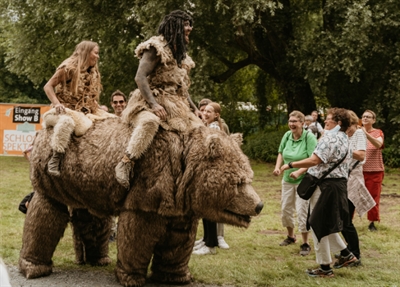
(241, 121)
(391, 156)
(264, 145)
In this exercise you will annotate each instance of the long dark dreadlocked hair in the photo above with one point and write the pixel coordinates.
(172, 28)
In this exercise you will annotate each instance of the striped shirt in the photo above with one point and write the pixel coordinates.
(374, 161)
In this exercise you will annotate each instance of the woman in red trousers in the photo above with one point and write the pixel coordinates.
(373, 168)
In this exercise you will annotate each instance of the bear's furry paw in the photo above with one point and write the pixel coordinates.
(104, 261)
(129, 280)
(174, 279)
(31, 270)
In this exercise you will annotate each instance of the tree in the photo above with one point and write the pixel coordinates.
(16, 88)
(308, 49)
(41, 34)
(357, 58)
(242, 39)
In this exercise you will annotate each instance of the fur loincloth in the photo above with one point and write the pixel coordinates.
(82, 122)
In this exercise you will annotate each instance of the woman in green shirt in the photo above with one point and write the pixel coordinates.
(296, 144)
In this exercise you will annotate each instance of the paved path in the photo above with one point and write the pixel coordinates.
(77, 278)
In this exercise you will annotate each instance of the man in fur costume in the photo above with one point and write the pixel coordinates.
(162, 96)
(74, 92)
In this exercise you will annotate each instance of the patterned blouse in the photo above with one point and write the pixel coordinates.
(331, 148)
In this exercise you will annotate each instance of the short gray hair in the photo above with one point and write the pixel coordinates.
(309, 118)
(298, 115)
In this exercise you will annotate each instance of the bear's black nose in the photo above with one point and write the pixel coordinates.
(259, 207)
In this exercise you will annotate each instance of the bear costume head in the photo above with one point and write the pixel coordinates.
(204, 172)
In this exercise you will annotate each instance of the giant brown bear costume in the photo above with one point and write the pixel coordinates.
(179, 179)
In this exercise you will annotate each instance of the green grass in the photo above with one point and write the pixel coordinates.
(255, 257)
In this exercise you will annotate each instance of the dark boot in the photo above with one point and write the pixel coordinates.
(54, 164)
(123, 171)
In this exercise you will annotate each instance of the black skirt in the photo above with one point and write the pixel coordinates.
(331, 211)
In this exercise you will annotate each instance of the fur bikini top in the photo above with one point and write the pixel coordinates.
(86, 100)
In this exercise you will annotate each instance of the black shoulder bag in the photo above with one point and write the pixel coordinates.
(309, 182)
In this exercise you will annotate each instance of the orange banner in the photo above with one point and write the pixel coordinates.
(18, 126)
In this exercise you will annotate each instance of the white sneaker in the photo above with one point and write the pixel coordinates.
(221, 243)
(205, 251)
(200, 245)
(198, 241)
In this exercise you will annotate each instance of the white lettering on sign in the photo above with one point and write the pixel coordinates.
(19, 118)
(30, 115)
(17, 140)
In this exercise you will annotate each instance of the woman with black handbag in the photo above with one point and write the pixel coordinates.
(328, 205)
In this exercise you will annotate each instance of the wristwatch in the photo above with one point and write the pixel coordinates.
(290, 164)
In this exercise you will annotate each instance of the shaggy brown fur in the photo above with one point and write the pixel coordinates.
(46, 220)
(90, 234)
(179, 179)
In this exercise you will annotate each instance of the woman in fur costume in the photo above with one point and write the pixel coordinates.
(74, 92)
(162, 96)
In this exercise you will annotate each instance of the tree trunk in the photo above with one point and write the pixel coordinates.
(341, 93)
(298, 95)
(262, 99)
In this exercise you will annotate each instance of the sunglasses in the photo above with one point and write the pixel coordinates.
(118, 102)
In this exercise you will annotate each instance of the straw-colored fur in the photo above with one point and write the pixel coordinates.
(70, 122)
(179, 179)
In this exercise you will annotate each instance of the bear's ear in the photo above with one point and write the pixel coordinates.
(238, 137)
(214, 146)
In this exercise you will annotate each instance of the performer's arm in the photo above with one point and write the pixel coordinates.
(147, 65)
(193, 106)
(58, 76)
(377, 142)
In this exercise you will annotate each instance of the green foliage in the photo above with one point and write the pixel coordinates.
(39, 38)
(352, 52)
(239, 88)
(240, 121)
(16, 88)
(346, 52)
(391, 156)
(264, 145)
(40, 34)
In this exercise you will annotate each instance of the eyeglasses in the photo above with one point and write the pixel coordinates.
(367, 117)
(118, 102)
(293, 122)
